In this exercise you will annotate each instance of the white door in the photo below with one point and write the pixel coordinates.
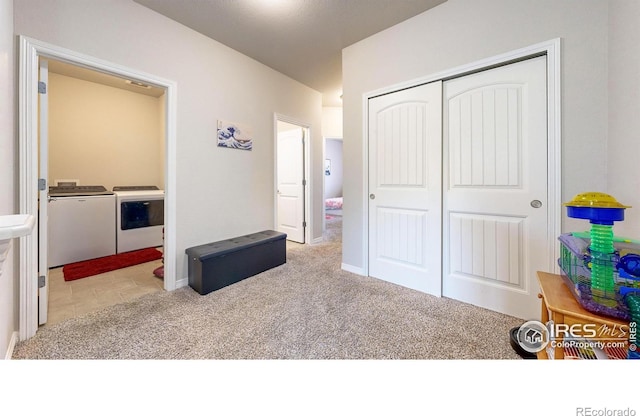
(43, 263)
(405, 151)
(495, 187)
(290, 184)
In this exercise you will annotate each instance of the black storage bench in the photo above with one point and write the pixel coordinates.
(216, 265)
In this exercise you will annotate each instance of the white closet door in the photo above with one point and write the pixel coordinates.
(495, 187)
(405, 137)
(290, 173)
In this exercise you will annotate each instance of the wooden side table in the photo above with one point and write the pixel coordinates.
(559, 305)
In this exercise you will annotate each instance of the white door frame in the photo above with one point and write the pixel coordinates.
(30, 51)
(549, 48)
(307, 176)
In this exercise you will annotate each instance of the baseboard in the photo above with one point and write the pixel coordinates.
(182, 283)
(12, 344)
(353, 269)
(317, 240)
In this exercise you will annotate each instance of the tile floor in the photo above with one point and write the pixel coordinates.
(78, 297)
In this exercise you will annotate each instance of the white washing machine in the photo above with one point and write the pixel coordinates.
(139, 217)
(81, 224)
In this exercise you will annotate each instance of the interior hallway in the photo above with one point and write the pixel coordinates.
(78, 297)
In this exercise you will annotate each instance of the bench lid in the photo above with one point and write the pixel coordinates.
(219, 248)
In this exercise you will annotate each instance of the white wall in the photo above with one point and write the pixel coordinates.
(221, 192)
(624, 111)
(104, 135)
(459, 32)
(332, 122)
(8, 277)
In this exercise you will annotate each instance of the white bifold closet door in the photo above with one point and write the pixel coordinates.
(405, 137)
(458, 187)
(495, 187)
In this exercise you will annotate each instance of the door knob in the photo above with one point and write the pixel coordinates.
(536, 203)
(372, 196)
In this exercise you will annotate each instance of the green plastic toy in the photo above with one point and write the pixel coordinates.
(601, 210)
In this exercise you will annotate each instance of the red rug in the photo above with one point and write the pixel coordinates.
(74, 271)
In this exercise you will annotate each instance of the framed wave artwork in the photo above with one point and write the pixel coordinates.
(234, 135)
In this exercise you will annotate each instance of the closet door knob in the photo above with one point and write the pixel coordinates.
(372, 196)
(536, 203)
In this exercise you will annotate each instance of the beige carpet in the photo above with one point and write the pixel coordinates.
(307, 308)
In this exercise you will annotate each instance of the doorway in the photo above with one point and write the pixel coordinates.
(31, 51)
(465, 239)
(104, 132)
(333, 168)
(291, 170)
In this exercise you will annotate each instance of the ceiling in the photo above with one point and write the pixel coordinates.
(302, 39)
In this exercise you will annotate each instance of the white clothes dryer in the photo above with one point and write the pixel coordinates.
(139, 217)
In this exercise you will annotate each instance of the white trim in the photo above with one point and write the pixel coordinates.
(353, 269)
(28, 149)
(551, 49)
(317, 240)
(324, 185)
(554, 149)
(30, 51)
(184, 282)
(12, 345)
(308, 206)
(365, 185)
